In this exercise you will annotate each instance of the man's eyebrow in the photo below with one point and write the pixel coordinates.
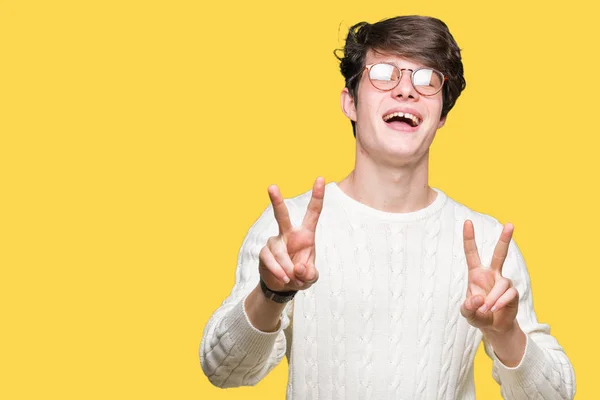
(417, 66)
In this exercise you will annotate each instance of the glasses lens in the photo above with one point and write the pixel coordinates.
(427, 81)
(384, 76)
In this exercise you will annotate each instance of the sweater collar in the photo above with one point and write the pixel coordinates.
(333, 192)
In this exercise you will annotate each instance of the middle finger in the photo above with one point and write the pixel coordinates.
(501, 249)
(279, 250)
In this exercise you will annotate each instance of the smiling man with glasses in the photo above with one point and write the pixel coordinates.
(380, 286)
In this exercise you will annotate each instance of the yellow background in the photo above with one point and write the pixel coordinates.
(138, 139)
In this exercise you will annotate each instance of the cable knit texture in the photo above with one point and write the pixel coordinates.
(383, 321)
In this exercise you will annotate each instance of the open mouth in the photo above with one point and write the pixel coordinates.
(402, 119)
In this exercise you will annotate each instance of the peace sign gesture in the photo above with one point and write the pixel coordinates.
(492, 301)
(287, 262)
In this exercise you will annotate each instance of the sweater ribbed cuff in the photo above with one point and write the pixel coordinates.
(241, 331)
(529, 369)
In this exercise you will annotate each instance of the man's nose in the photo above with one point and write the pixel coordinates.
(405, 87)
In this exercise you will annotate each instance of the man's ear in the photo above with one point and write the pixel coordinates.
(348, 106)
(442, 122)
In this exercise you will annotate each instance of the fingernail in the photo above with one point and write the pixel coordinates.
(493, 309)
(301, 269)
(483, 309)
(286, 279)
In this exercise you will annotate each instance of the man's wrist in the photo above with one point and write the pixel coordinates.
(509, 346)
(493, 333)
(278, 297)
(264, 314)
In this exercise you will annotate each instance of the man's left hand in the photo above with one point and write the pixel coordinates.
(492, 301)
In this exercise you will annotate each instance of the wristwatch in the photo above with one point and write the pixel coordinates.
(278, 297)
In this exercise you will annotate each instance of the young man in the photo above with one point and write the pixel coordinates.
(395, 283)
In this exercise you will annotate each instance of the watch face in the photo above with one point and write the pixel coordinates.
(278, 297)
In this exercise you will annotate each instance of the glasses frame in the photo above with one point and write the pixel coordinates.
(412, 73)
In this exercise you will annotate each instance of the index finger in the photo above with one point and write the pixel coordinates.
(471, 253)
(315, 205)
(501, 249)
(279, 209)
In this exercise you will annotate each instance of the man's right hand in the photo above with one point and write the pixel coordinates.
(287, 262)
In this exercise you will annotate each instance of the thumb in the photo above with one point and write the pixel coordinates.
(470, 306)
(299, 270)
(306, 273)
(302, 272)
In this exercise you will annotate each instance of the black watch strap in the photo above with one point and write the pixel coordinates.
(278, 297)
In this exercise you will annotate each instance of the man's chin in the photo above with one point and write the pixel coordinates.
(401, 158)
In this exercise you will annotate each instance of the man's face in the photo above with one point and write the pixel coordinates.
(393, 140)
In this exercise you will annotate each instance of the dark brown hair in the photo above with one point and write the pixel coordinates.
(425, 40)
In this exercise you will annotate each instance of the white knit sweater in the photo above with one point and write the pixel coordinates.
(383, 321)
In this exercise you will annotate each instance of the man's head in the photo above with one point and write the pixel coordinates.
(423, 40)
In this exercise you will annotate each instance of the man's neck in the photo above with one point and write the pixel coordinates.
(397, 189)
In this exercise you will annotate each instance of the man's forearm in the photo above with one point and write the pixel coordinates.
(509, 346)
(264, 314)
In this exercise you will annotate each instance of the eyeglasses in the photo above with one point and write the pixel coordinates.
(386, 76)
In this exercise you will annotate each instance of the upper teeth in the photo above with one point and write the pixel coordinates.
(400, 114)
